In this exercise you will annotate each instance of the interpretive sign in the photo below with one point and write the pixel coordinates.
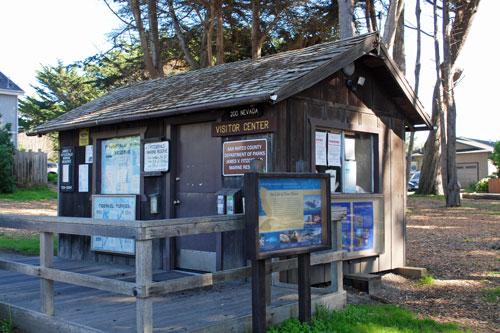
(113, 207)
(67, 159)
(156, 156)
(121, 165)
(238, 154)
(287, 213)
(244, 127)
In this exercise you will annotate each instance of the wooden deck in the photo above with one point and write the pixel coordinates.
(221, 307)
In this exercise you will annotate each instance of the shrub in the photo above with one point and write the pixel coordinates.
(480, 186)
(7, 151)
(495, 158)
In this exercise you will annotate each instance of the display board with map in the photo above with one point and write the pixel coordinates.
(287, 213)
(113, 207)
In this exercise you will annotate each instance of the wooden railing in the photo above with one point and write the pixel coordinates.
(143, 232)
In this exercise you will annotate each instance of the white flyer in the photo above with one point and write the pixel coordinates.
(320, 148)
(334, 144)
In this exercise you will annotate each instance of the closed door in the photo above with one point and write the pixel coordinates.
(198, 177)
(467, 173)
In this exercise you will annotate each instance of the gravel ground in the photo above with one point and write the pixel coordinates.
(460, 247)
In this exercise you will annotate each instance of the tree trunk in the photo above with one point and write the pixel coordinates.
(187, 53)
(220, 34)
(452, 189)
(395, 9)
(136, 12)
(154, 37)
(346, 18)
(256, 47)
(206, 54)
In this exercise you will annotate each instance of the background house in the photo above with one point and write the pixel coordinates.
(9, 93)
(472, 160)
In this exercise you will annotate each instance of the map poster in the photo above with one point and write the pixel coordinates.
(113, 207)
(346, 226)
(121, 165)
(362, 215)
(290, 213)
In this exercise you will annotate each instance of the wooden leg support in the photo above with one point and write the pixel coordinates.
(304, 287)
(47, 260)
(144, 276)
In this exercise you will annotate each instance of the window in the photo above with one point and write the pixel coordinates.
(348, 158)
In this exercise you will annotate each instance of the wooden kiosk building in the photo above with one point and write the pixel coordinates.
(178, 147)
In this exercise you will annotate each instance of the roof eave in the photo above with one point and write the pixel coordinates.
(253, 99)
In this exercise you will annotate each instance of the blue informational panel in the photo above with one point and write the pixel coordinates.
(357, 226)
(121, 165)
(290, 213)
(346, 225)
(113, 207)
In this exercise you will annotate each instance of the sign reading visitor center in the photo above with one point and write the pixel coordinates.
(243, 127)
(288, 214)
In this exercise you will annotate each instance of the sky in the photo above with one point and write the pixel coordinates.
(35, 33)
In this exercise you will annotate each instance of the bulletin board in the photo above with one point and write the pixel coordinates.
(287, 214)
(113, 207)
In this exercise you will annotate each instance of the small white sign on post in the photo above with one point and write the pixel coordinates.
(156, 156)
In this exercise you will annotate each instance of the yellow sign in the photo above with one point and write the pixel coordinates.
(84, 137)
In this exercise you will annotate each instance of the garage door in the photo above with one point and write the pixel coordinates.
(467, 174)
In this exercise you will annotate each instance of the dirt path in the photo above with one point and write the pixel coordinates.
(460, 247)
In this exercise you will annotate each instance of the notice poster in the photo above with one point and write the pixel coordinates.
(346, 226)
(334, 144)
(156, 156)
(113, 207)
(362, 215)
(350, 152)
(83, 178)
(121, 166)
(89, 154)
(321, 148)
(290, 213)
(238, 154)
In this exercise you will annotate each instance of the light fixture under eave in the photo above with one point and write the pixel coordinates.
(349, 69)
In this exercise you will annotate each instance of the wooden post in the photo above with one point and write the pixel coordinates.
(336, 266)
(304, 265)
(47, 261)
(144, 276)
(259, 287)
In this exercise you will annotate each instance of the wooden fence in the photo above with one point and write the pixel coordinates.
(30, 168)
(143, 232)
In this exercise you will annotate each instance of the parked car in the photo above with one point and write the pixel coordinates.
(413, 182)
(52, 168)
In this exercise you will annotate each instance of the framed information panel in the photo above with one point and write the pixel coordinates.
(113, 207)
(286, 214)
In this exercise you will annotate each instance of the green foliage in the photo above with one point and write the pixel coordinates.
(52, 177)
(28, 245)
(495, 158)
(362, 318)
(491, 295)
(426, 280)
(30, 194)
(7, 152)
(480, 186)
(7, 326)
(61, 88)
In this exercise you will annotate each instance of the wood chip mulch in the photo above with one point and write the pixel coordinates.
(460, 248)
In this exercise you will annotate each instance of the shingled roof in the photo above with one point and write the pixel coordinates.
(8, 86)
(268, 79)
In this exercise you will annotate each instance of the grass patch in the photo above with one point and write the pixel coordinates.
(426, 280)
(365, 318)
(491, 295)
(467, 240)
(493, 273)
(30, 194)
(7, 325)
(52, 177)
(415, 195)
(29, 245)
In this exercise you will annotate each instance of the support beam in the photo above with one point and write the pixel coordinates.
(144, 276)
(46, 285)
